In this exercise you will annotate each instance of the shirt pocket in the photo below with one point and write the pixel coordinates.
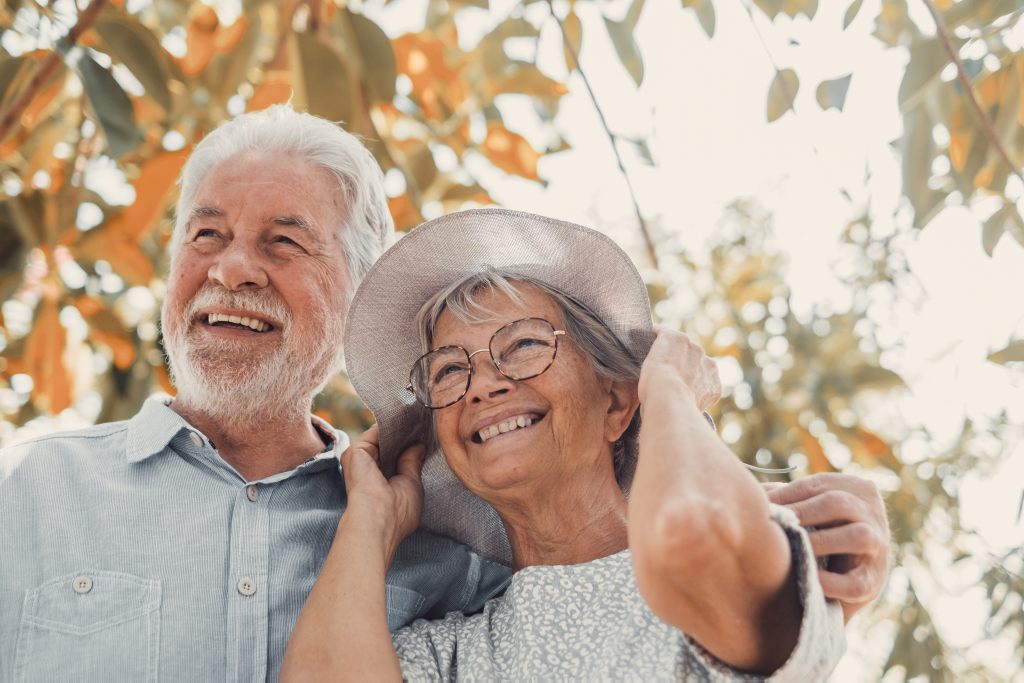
(404, 605)
(91, 626)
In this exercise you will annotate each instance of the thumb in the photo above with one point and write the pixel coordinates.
(410, 462)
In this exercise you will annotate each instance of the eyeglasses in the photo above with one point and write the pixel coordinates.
(519, 350)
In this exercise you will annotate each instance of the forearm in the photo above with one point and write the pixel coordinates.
(709, 559)
(342, 631)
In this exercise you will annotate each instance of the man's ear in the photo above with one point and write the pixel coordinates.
(622, 405)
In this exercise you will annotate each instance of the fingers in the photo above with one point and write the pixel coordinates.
(410, 462)
(854, 587)
(852, 539)
(828, 509)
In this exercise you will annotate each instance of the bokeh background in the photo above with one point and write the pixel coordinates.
(829, 197)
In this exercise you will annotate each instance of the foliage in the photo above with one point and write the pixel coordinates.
(93, 97)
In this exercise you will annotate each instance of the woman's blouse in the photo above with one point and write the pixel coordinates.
(588, 622)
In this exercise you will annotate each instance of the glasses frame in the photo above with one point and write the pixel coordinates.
(490, 352)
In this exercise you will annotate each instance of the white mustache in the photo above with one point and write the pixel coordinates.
(261, 302)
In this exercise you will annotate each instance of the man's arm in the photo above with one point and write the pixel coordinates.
(849, 529)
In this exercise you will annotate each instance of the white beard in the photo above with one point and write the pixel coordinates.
(225, 380)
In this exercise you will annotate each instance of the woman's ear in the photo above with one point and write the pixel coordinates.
(622, 405)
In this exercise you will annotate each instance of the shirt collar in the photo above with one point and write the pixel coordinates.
(156, 424)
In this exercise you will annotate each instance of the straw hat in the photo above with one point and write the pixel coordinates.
(382, 342)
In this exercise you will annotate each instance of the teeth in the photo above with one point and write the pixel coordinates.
(251, 323)
(505, 426)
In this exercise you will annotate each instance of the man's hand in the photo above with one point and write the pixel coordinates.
(850, 529)
(388, 507)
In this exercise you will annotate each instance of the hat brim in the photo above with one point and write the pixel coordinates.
(381, 340)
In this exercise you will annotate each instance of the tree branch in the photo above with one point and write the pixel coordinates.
(652, 254)
(48, 68)
(972, 100)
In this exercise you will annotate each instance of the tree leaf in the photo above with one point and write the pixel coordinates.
(137, 48)
(705, 12)
(833, 93)
(782, 93)
(378, 57)
(627, 49)
(240, 59)
(1012, 353)
(851, 13)
(112, 107)
(327, 87)
(573, 29)
(993, 228)
(8, 72)
(510, 151)
(51, 390)
(917, 148)
(927, 60)
(276, 88)
(152, 187)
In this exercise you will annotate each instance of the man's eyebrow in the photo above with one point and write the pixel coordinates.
(292, 221)
(205, 211)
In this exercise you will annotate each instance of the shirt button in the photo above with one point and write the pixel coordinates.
(81, 584)
(251, 492)
(196, 439)
(246, 586)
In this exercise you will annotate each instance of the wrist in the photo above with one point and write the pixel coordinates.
(370, 533)
(667, 389)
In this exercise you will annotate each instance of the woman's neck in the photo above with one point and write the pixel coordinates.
(566, 525)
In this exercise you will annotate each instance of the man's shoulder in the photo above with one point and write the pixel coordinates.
(79, 445)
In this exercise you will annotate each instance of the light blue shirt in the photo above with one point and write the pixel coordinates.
(132, 551)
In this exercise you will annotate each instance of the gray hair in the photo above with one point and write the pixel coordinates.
(367, 226)
(606, 354)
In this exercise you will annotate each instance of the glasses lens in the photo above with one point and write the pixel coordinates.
(525, 348)
(441, 377)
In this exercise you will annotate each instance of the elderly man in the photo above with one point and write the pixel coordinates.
(181, 544)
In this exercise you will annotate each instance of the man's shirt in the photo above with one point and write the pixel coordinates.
(132, 551)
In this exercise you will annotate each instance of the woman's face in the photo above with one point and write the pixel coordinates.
(573, 411)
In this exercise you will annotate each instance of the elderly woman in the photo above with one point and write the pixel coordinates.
(641, 549)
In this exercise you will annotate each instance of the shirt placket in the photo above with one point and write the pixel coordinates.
(248, 584)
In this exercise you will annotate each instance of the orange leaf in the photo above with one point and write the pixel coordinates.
(228, 36)
(510, 151)
(274, 90)
(404, 213)
(39, 104)
(152, 187)
(51, 391)
(200, 38)
(817, 461)
(120, 346)
(120, 250)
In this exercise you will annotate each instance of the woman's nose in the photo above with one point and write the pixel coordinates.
(486, 381)
(238, 267)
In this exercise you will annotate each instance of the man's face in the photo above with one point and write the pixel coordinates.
(257, 294)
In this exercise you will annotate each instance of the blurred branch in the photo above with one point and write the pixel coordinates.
(652, 254)
(48, 67)
(965, 81)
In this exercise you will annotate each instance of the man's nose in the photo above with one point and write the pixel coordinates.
(487, 381)
(239, 267)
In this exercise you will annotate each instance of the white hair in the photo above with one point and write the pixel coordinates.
(366, 228)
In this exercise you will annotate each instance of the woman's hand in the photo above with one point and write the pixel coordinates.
(675, 360)
(390, 508)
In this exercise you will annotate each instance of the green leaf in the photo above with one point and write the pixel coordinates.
(927, 60)
(705, 12)
(8, 73)
(1013, 353)
(782, 93)
(625, 45)
(917, 149)
(851, 13)
(993, 228)
(112, 107)
(833, 93)
(378, 57)
(137, 48)
(769, 7)
(238, 62)
(328, 90)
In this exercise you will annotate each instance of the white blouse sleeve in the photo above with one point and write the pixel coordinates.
(426, 648)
